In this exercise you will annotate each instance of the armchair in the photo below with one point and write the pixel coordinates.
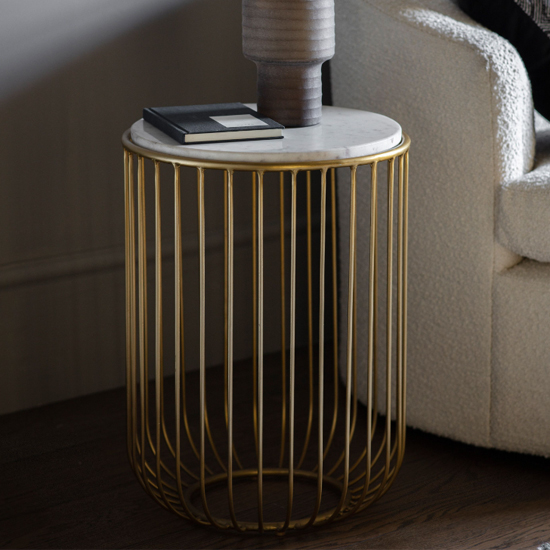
(479, 215)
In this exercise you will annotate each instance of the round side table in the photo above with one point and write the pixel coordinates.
(266, 456)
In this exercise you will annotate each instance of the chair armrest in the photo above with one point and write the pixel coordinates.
(452, 83)
(524, 205)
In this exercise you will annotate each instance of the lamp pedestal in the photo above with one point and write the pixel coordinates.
(289, 40)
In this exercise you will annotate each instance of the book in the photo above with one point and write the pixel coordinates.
(212, 123)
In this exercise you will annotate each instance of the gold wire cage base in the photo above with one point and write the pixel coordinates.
(215, 457)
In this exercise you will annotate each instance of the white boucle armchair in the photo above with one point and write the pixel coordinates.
(479, 237)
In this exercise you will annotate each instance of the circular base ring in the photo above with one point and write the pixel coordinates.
(252, 475)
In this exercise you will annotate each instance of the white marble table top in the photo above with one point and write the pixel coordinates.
(343, 134)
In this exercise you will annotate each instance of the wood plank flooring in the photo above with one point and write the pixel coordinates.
(65, 482)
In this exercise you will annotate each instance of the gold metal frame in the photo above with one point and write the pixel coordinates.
(358, 465)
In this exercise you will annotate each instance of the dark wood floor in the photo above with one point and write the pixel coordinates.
(65, 482)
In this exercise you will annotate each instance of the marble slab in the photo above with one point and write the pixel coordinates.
(342, 134)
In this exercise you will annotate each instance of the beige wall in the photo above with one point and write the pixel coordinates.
(61, 195)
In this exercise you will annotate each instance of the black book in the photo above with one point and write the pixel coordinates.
(209, 123)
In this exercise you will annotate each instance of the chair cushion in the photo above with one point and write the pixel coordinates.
(523, 223)
(526, 25)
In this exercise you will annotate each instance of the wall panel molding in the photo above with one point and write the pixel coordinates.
(68, 265)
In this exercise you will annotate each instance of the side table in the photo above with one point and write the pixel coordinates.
(294, 472)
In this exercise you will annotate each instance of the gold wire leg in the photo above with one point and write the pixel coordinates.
(142, 283)
(373, 274)
(132, 305)
(321, 389)
(387, 471)
(399, 397)
(283, 316)
(229, 340)
(228, 297)
(375, 322)
(225, 300)
(167, 491)
(202, 322)
(292, 366)
(405, 268)
(179, 366)
(143, 467)
(371, 365)
(160, 427)
(202, 343)
(254, 310)
(179, 339)
(309, 322)
(129, 344)
(354, 380)
(159, 371)
(334, 311)
(349, 345)
(146, 438)
(354, 368)
(260, 334)
(353, 384)
(386, 444)
(389, 310)
(398, 448)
